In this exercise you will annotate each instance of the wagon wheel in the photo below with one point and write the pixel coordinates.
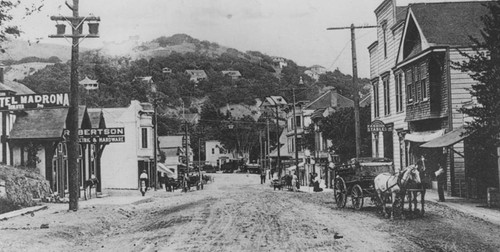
(357, 197)
(340, 192)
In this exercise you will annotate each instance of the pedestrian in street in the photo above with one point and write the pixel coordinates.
(144, 182)
(316, 183)
(263, 177)
(441, 180)
(294, 182)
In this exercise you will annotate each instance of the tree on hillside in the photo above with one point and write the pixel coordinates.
(484, 66)
(6, 7)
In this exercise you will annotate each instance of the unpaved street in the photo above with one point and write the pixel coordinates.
(237, 213)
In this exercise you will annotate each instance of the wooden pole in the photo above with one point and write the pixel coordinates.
(354, 81)
(356, 92)
(73, 117)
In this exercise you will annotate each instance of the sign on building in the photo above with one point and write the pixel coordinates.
(34, 101)
(98, 135)
(379, 126)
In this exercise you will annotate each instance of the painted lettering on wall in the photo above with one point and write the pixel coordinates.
(34, 101)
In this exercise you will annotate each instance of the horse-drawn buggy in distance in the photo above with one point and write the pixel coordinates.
(376, 179)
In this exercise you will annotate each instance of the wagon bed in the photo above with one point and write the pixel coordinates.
(356, 179)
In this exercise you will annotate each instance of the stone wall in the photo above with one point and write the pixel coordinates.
(22, 186)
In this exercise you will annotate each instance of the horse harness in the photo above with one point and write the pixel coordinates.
(398, 182)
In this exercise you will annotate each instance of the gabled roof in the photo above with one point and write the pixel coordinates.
(40, 124)
(330, 99)
(192, 117)
(365, 101)
(197, 73)
(16, 87)
(231, 73)
(96, 116)
(113, 115)
(449, 23)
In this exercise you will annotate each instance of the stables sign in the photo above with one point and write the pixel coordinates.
(379, 126)
(34, 101)
(97, 135)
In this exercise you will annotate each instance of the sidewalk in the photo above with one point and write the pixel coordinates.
(475, 208)
(57, 207)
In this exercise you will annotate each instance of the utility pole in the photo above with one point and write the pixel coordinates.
(76, 23)
(355, 81)
(297, 172)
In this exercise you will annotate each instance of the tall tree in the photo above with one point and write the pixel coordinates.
(483, 65)
(338, 128)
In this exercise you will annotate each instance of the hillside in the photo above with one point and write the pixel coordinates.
(18, 49)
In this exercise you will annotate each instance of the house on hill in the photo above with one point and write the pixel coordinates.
(315, 71)
(279, 62)
(234, 75)
(196, 75)
(416, 91)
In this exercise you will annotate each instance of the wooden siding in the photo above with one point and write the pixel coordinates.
(381, 65)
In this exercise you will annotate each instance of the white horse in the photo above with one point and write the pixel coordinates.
(387, 184)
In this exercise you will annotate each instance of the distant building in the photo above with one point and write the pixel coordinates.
(89, 84)
(234, 75)
(279, 62)
(215, 154)
(315, 71)
(174, 149)
(166, 70)
(196, 75)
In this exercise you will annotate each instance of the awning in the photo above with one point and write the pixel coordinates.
(424, 136)
(448, 139)
(162, 168)
(292, 168)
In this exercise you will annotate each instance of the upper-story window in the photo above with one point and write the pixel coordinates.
(376, 101)
(417, 83)
(384, 37)
(409, 85)
(298, 122)
(387, 97)
(423, 82)
(144, 138)
(399, 91)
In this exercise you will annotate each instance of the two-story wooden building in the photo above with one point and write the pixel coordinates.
(421, 92)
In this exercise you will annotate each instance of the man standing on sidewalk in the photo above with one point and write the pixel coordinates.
(441, 180)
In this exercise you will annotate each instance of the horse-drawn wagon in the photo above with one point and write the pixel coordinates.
(355, 179)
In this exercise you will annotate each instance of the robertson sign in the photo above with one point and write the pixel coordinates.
(97, 135)
(34, 101)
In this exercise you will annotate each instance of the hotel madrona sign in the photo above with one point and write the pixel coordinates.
(379, 126)
(34, 101)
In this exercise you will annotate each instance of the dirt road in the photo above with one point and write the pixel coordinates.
(237, 213)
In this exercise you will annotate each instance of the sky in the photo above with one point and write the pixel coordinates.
(293, 29)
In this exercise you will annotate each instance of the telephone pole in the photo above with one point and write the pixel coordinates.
(355, 81)
(76, 22)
